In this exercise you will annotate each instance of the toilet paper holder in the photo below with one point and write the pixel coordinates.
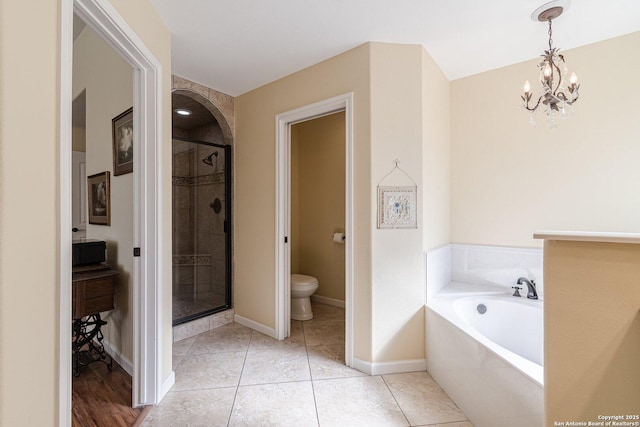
(338, 238)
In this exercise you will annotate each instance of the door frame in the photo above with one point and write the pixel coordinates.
(284, 121)
(102, 17)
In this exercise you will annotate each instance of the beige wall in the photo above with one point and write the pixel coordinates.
(318, 202)
(28, 212)
(295, 200)
(29, 201)
(108, 82)
(396, 133)
(254, 286)
(508, 179)
(387, 82)
(79, 139)
(592, 330)
(435, 155)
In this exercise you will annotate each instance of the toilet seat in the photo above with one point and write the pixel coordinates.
(303, 282)
(301, 279)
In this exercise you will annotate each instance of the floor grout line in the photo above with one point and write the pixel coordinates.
(235, 395)
(313, 390)
(395, 400)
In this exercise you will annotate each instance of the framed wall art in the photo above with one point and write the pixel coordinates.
(397, 207)
(99, 189)
(122, 133)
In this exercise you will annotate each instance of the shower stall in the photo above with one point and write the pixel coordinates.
(201, 228)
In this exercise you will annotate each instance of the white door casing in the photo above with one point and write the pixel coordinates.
(283, 211)
(103, 18)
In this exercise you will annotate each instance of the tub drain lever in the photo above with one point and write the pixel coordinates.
(516, 293)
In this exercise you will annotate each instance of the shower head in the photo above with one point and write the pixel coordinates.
(209, 159)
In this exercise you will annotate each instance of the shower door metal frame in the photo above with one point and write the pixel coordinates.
(228, 231)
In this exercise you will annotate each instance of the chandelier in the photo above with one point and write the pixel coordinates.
(555, 95)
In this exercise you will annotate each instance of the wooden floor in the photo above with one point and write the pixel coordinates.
(102, 398)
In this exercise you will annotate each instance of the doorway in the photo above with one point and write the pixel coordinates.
(148, 387)
(285, 121)
(317, 205)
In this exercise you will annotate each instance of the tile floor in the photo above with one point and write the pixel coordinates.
(233, 376)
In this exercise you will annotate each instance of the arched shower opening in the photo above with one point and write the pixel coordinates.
(201, 207)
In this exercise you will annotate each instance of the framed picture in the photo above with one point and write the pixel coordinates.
(397, 207)
(122, 132)
(99, 189)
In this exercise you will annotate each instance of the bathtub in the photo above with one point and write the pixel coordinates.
(485, 348)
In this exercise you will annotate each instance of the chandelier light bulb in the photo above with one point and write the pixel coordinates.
(573, 79)
(527, 87)
(547, 70)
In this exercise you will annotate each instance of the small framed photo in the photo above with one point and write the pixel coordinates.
(122, 132)
(397, 207)
(99, 189)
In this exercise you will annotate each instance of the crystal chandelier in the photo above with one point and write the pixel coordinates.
(554, 95)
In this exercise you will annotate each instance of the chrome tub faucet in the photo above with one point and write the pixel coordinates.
(531, 286)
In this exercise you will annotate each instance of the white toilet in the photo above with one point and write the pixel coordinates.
(302, 287)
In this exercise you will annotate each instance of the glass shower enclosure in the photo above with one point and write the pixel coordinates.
(201, 183)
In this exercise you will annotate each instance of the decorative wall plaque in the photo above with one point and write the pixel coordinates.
(397, 207)
(397, 204)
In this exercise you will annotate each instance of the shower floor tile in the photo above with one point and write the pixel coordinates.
(187, 304)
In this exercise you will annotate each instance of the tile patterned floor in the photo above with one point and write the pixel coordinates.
(233, 376)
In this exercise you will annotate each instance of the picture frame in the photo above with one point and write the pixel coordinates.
(122, 134)
(397, 207)
(99, 198)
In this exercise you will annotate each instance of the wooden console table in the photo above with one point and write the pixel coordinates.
(93, 290)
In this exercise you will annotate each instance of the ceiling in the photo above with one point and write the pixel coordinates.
(200, 116)
(237, 45)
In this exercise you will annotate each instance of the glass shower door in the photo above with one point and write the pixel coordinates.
(201, 229)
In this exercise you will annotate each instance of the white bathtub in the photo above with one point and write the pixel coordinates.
(512, 326)
(489, 363)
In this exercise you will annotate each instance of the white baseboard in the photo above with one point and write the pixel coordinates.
(166, 386)
(362, 366)
(326, 300)
(125, 363)
(271, 332)
(395, 367)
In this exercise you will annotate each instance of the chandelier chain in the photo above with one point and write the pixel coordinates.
(550, 34)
